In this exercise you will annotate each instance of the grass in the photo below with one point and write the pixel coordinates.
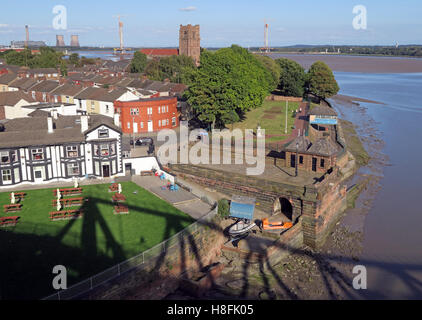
(271, 117)
(85, 246)
(354, 144)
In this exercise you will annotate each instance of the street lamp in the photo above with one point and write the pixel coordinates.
(297, 148)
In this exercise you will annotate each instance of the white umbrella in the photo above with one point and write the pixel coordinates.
(12, 198)
(59, 196)
(120, 188)
(76, 185)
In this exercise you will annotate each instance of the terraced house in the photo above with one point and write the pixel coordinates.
(53, 148)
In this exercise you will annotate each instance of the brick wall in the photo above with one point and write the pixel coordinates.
(2, 113)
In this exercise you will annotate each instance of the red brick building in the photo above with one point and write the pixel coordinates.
(147, 115)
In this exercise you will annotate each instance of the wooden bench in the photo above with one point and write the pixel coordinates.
(71, 202)
(18, 196)
(118, 197)
(114, 187)
(65, 215)
(12, 207)
(9, 221)
(120, 208)
(68, 192)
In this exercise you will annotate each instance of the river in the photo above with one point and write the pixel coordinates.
(392, 245)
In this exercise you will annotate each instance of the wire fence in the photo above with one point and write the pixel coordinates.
(137, 261)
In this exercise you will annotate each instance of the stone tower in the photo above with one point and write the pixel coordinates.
(190, 42)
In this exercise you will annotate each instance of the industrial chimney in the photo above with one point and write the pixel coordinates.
(74, 41)
(27, 36)
(60, 41)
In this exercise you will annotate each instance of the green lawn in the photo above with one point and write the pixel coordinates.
(85, 246)
(272, 117)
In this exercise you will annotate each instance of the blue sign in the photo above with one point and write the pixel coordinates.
(330, 121)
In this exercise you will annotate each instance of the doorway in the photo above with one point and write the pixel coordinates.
(314, 164)
(284, 206)
(293, 161)
(150, 126)
(106, 170)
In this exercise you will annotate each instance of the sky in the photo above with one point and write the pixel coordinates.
(223, 22)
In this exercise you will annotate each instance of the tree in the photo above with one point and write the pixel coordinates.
(74, 59)
(174, 68)
(139, 62)
(229, 80)
(272, 66)
(292, 78)
(321, 80)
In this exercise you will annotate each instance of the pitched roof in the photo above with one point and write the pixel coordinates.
(303, 144)
(22, 132)
(7, 78)
(11, 98)
(23, 83)
(323, 111)
(101, 94)
(45, 86)
(324, 146)
(160, 52)
(67, 89)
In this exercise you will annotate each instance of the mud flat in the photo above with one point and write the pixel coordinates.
(363, 64)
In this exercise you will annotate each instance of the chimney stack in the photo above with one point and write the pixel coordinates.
(60, 41)
(74, 40)
(50, 124)
(84, 123)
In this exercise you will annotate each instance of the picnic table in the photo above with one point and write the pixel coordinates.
(9, 221)
(12, 207)
(18, 195)
(71, 202)
(118, 197)
(120, 208)
(65, 215)
(68, 191)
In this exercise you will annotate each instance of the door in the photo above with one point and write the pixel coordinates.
(135, 127)
(314, 164)
(106, 171)
(38, 174)
(293, 161)
(150, 127)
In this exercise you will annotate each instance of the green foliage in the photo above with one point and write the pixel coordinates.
(74, 59)
(228, 80)
(223, 208)
(321, 80)
(272, 66)
(174, 68)
(292, 78)
(139, 62)
(47, 58)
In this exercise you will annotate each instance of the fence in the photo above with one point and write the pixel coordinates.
(135, 262)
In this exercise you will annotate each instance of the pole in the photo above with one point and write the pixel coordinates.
(287, 107)
(296, 160)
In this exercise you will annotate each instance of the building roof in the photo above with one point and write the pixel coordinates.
(42, 71)
(67, 89)
(324, 147)
(24, 132)
(323, 111)
(45, 86)
(101, 94)
(8, 78)
(160, 52)
(303, 144)
(23, 83)
(242, 207)
(11, 98)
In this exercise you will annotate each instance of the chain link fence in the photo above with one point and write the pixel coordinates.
(135, 262)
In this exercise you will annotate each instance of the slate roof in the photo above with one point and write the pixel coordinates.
(23, 83)
(303, 144)
(11, 98)
(324, 146)
(24, 132)
(45, 86)
(323, 111)
(7, 78)
(67, 89)
(100, 94)
(160, 52)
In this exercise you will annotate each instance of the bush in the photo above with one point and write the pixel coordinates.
(223, 208)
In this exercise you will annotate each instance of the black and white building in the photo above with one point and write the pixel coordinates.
(58, 148)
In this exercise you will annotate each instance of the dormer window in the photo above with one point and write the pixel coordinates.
(103, 133)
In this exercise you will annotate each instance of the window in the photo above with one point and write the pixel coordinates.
(163, 109)
(44, 97)
(134, 112)
(107, 108)
(92, 105)
(37, 154)
(67, 99)
(159, 123)
(167, 108)
(4, 157)
(159, 108)
(72, 151)
(322, 163)
(103, 133)
(73, 169)
(149, 110)
(142, 125)
(301, 159)
(105, 150)
(167, 121)
(6, 175)
(33, 94)
(112, 149)
(128, 125)
(173, 121)
(14, 157)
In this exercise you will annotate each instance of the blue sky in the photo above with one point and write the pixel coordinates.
(155, 23)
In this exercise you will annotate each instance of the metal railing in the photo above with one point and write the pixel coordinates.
(137, 261)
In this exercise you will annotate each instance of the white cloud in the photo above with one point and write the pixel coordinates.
(191, 8)
(3, 25)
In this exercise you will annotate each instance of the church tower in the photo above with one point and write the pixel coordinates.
(190, 42)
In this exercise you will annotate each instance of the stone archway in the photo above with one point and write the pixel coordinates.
(284, 206)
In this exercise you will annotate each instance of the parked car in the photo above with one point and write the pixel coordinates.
(143, 141)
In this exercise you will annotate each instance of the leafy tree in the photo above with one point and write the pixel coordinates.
(321, 80)
(223, 208)
(74, 59)
(152, 70)
(174, 68)
(272, 66)
(228, 80)
(139, 62)
(292, 78)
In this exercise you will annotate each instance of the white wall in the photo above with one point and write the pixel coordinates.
(146, 164)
